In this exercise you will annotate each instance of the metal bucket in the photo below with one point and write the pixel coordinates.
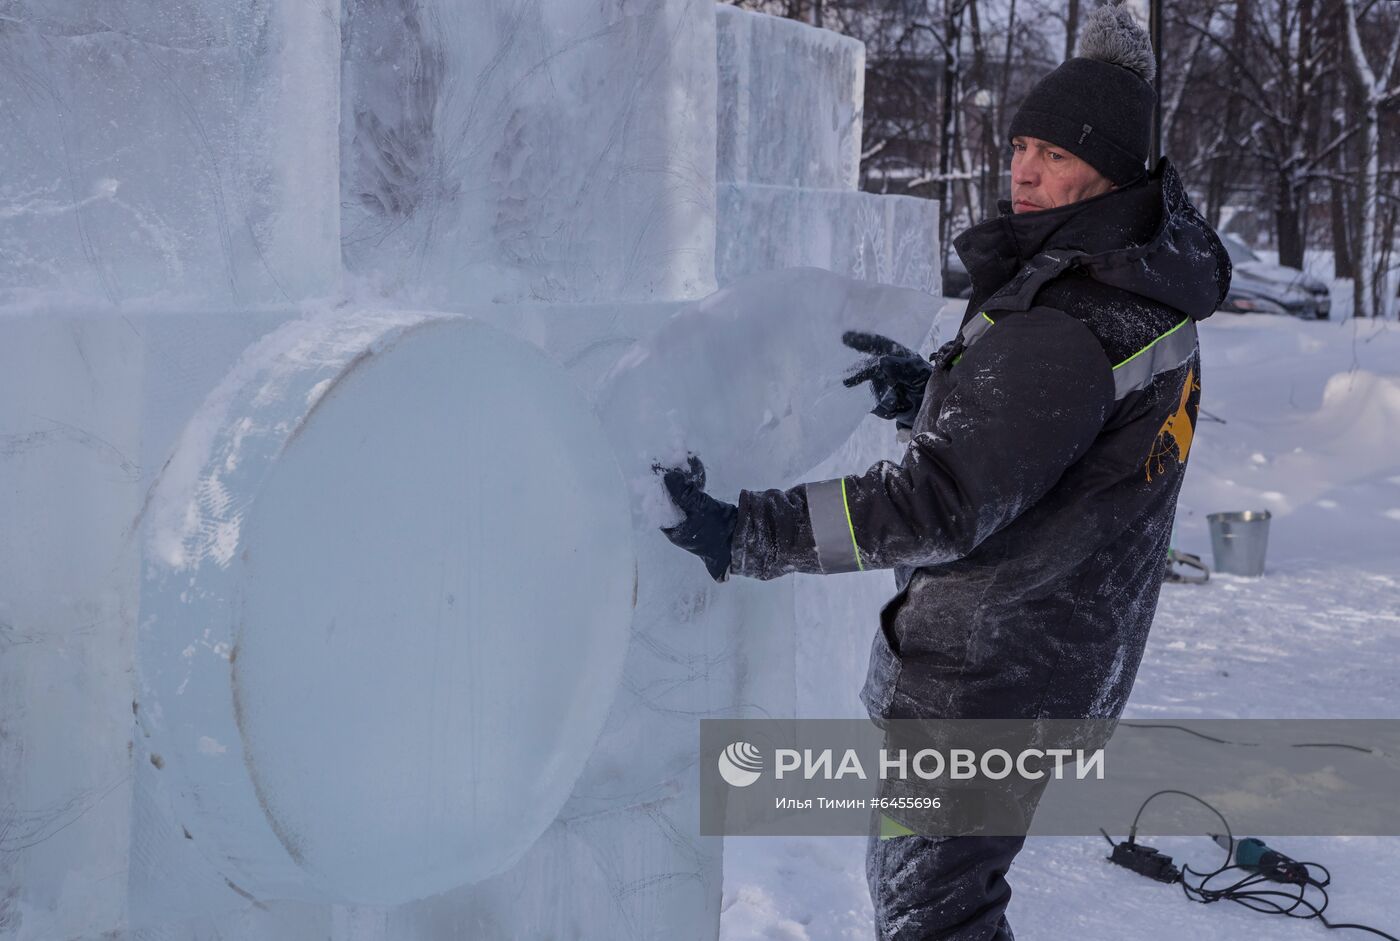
(1239, 540)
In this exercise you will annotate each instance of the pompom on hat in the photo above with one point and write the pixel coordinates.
(1098, 105)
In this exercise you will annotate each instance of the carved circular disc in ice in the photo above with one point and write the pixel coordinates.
(428, 604)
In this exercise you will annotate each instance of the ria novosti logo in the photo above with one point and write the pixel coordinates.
(740, 764)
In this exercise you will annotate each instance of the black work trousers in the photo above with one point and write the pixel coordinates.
(940, 888)
(949, 888)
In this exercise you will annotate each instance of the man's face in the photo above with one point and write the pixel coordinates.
(1044, 176)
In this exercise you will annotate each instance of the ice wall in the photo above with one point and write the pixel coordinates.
(514, 151)
(790, 102)
(508, 175)
(168, 152)
(887, 239)
(783, 206)
(790, 113)
(70, 483)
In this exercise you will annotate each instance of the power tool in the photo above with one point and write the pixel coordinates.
(1271, 864)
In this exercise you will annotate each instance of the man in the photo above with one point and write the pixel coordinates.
(1029, 520)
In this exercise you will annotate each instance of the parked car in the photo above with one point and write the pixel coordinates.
(1261, 287)
(956, 282)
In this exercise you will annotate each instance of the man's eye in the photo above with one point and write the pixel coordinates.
(1055, 156)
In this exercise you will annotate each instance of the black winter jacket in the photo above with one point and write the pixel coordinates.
(1029, 520)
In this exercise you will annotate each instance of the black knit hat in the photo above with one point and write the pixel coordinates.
(1098, 105)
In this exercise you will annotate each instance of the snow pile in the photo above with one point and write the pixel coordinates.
(1307, 409)
(805, 890)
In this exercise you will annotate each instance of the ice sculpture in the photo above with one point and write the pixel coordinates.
(390, 570)
(323, 455)
(173, 153)
(510, 151)
(751, 377)
(809, 83)
(790, 110)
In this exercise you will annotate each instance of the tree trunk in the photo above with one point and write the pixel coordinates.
(1310, 122)
(1387, 242)
(1216, 193)
(947, 143)
(1343, 205)
(1006, 62)
(1366, 301)
(1071, 28)
(1183, 77)
(979, 190)
(1288, 221)
(1366, 294)
(1341, 229)
(1218, 185)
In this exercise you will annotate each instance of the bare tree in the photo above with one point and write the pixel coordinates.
(1071, 27)
(1278, 110)
(1176, 75)
(1376, 93)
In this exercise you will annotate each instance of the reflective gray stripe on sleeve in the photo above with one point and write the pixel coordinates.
(831, 527)
(975, 328)
(1167, 352)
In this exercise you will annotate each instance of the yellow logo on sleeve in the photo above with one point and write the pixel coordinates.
(1177, 431)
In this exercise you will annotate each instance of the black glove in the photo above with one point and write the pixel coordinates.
(709, 524)
(896, 373)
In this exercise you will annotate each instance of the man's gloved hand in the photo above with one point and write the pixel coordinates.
(896, 373)
(709, 524)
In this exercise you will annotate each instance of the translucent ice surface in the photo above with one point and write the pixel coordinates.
(355, 624)
(168, 150)
(790, 102)
(388, 596)
(788, 161)
(889, 239)
(751, 378)
(545, 151)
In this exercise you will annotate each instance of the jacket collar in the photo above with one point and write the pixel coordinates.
(1145, 237)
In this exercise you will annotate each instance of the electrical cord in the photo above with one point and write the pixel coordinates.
(1274, 868)
(1211, 738)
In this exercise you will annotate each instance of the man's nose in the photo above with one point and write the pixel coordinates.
(1025, 171)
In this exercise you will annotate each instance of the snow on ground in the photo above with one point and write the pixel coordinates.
(1311, 433)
